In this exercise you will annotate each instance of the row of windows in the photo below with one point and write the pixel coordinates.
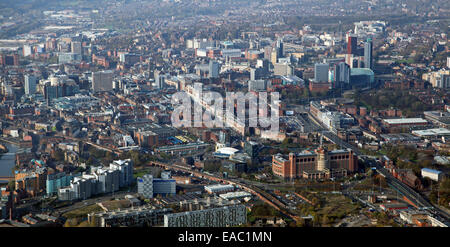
(305, 160)
(277, 164)
(339, 157)
(277, 171)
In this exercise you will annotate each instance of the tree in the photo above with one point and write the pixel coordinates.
(325, 220)
(263, 210)
(306, 93)
(286, 142)
(90, 161)
(72, 222)
(87, 224)
(316, 219)
(58, 155)
(212, 166)
(135, 157)
(380, 181)
(109, 157)
(301, 223)
(12, 185)
(315, 201)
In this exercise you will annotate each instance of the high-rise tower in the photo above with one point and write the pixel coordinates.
(352, 44)
(368, 62)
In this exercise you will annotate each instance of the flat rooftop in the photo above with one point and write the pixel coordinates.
(219, 187)
(405, 121)
(432, 132)
(431, 171)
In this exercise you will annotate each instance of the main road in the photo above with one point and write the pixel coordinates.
(331, 136)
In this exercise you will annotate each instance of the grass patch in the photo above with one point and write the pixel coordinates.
(328, 209)
(140, 173)
(82, 212)
(337, 206)
(113, 205)
(371, 183)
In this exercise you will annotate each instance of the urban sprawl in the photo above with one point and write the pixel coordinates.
(87, 107)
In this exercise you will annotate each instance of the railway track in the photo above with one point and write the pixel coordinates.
(261, 194)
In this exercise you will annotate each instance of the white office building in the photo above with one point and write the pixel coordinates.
(213, 69)
(145, 186)
(30, 84)
(27, 50)
(126, 171)
(160, 81)
(99, 180)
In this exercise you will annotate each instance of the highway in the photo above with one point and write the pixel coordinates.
(335, 139)
(332, 137)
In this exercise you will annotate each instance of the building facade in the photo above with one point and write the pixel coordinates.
(213, 217)
(30, 84)
(145, 186)
(102, 81)
(368, 60)
(57, 181)
(319, 164)
(100, 180)
(164, 186)
(321, 72)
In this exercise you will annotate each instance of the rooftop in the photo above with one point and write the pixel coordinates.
(405, 120)
(432, 132)
(227, 150)
(361, 71)
(219, 187)
(431, 171)
(232, 195)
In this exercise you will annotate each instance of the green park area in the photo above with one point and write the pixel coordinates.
(82, 212)
(261, 211)
(78, 217)
(327, 209)
(116, 204)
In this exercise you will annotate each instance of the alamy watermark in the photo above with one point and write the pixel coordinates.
(208, 110)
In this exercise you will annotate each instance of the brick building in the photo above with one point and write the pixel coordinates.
(319, 164)
(147, 138)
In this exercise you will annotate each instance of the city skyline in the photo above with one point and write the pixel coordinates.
(225, 114)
